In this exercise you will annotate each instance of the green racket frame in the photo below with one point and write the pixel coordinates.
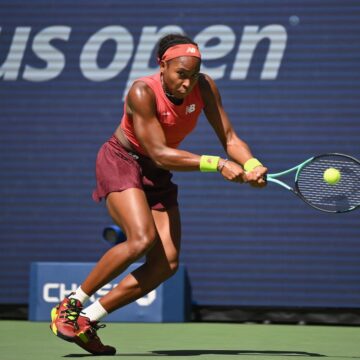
(295, 190)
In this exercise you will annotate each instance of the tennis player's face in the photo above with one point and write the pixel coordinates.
(180, 75)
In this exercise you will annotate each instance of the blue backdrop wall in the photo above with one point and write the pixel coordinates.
(289, 74)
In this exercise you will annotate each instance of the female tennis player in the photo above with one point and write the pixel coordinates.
(133, 176)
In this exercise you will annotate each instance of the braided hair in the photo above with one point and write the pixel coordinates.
(171, 40)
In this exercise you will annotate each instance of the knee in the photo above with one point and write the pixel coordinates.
(173, 266)
(169, 269)
(139, 244)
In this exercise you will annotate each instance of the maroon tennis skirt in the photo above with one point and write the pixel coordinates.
(118, 169)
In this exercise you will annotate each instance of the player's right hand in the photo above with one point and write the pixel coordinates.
(233, 172)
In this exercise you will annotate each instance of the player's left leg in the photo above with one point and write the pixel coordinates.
(161, 263)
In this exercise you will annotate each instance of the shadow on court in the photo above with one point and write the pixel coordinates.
(211, 352)
(233, 352)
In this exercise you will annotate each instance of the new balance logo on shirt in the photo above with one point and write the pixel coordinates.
(189, 109)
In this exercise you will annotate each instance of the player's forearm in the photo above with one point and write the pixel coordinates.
(238, 150)
(175, 159)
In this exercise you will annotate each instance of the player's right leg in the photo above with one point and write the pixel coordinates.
(135, 218)
(130, 210)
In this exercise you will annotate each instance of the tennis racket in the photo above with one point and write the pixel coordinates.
(311, 187)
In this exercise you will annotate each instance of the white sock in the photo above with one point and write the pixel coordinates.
(80, 295)
(95, 312)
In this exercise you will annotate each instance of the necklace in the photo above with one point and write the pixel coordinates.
(170, 96)
(173, 99)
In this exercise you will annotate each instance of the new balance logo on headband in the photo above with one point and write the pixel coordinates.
(191, 50)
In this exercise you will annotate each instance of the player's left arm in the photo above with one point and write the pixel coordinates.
(236, 148)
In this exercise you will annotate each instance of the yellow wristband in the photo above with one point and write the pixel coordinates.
(251, 164)
(209, 163)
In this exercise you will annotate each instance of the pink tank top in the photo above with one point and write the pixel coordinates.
(177, 121)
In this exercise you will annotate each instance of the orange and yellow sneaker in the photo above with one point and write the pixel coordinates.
(69, 325)
(88, 339)
(63, 317)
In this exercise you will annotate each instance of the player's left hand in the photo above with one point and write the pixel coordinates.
(257, 177)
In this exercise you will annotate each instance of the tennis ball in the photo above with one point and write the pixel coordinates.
(332, 176)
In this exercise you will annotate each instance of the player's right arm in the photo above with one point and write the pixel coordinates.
(141, 104)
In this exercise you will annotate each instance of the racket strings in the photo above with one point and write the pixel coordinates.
(339, 197)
